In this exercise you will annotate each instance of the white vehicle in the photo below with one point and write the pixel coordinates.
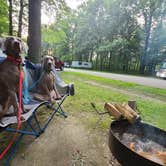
(66, 64)
(81, 64)
(162, 71)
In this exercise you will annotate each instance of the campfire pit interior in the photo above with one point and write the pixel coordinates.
(138, 144)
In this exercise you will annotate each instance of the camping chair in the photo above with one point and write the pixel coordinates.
(30, 119)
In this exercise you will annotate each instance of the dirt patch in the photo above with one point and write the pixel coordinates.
(67, 143)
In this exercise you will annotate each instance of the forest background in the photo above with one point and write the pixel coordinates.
(118, 36)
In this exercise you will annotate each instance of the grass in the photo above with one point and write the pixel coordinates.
(140, 89)
(153, 112)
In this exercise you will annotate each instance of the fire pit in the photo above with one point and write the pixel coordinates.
(137, 144)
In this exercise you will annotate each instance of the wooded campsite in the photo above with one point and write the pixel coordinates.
(122, 36)
(81, 118)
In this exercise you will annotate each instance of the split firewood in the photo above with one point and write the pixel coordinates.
(162, 156)
(129, 109)
(113, 111)
(126, 114)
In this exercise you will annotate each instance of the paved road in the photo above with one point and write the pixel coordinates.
(152, 82)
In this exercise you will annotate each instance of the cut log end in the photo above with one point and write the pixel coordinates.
(113, 111)
(122, 110)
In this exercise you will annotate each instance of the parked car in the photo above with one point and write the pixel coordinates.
(161, 73)
(58, 63)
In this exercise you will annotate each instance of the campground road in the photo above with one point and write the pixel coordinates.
(148, 81)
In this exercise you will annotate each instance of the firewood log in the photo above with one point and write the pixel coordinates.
(128, 108)
(126, 114)
(112, 110)
(162, 156)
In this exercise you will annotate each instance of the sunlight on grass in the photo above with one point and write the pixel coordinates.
(151, 112)
(140, 89)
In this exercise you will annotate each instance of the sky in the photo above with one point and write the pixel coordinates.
(73, 4)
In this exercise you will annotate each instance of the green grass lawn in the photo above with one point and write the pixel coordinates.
(151, 111)
(140, 89)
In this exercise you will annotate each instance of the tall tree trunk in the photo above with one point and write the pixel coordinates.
(20, 18)
(97, 59)
(109, 63)
(10, 17)
(148, 24)
(101, 62)
(34, 31)
(91, 56)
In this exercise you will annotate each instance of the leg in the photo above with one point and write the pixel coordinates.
(5, 108)
(14, 103)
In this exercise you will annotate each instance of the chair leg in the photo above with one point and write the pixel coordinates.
(38, 124)
(16, 145)
(61, 112)
(34, 132)
(14, 148)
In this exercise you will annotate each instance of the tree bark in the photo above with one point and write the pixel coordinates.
(110, 58)
(10, 17)
(97, 59)
(101, 62)
(34, 31)
(91, 56)
(19, 33)
(148, 24)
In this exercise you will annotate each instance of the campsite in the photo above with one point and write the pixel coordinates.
(82, 83)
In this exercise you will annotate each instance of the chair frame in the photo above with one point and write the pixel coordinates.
(29, 129)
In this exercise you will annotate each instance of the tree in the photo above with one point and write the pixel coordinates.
(150, 10)
(111, 34)
(107, 34)
(34, 38)
(17, 15)
(4, 18)
(34, 31)
(22, 5)
(56, 38)
(10, 17)
(157, 49)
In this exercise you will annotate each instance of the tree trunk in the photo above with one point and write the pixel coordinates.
(20, 19)
(148, 24)
(10, 17)
(110, 58)
(91, 56)
(97, 59)
(34, 31)
(101, 62)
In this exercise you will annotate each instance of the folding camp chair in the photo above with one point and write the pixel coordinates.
(32, 125)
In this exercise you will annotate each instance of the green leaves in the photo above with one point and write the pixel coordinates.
(4, 17)
(57, 37)
(110, 33)
(53, 36)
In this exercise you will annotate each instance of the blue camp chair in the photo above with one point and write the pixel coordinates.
(32, 125)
